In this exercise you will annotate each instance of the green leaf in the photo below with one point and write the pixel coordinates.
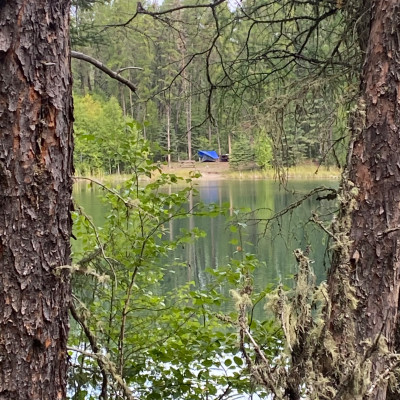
(208, 363)
(238, 361)
(228, 362)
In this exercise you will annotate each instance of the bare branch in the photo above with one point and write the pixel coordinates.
(291, 206)
(98, 64)
(124, 69)
(107, 189)
(141, 10)
(106, 366)
(96, 350)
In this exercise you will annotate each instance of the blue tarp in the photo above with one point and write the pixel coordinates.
(208, 155)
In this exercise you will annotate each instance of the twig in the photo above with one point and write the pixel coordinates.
(114, 192)
(141, 10)
(383, 376)
(293, 205)
(126, 68)
(225, 392)
(389, 230)
(321, 225)
(95, 349)
(106, 259)
(106, 366)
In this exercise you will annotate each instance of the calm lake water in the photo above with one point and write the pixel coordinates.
(274, 247)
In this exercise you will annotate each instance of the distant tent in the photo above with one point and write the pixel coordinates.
(208, 155)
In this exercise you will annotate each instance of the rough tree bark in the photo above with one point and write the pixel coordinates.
(35, 197)
(371, 272)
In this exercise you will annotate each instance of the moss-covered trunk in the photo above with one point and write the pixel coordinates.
(364, 279)
(35, 197)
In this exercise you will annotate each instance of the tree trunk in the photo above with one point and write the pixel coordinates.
(123, 102)
(35, 197)
(169, 131)
(189, 120)
(372, 252)
(218, 140)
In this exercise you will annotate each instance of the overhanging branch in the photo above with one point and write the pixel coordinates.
(98, 64)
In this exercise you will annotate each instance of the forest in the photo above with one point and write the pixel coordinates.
(109, 87)
(276, 92)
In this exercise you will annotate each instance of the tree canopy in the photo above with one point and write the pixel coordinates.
(283, 70)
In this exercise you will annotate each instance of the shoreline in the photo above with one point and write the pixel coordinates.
(221, 171)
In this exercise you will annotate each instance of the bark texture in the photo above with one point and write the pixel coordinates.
(35, 197)
(372, 269)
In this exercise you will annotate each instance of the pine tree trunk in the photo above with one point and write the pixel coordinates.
(374, 217)
(35, 197)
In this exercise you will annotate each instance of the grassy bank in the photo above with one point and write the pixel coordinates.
(220, 170)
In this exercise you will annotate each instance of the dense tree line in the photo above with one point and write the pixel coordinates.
(203, 81)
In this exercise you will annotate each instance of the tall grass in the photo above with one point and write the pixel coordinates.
(306, 171)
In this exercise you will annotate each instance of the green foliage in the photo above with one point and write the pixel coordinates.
(83, 31)
(102, 136)
(263, 150)
(162, 345)
(242, 156)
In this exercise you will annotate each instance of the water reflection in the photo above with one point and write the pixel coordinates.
(273, 246)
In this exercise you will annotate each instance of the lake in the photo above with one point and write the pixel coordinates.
(273, 246)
